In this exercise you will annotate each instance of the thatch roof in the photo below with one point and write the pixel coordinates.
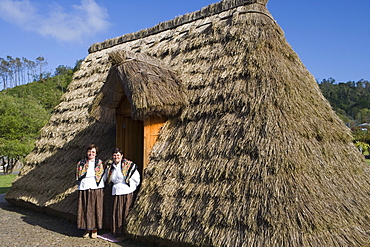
(151, 88)
(257, 157)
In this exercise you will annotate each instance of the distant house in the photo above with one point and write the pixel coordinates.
(364, 126)
(236, 144)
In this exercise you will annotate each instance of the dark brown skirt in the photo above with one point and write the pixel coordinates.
(121, 207)
(90, 209)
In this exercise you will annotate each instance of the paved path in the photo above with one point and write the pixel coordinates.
(23, 227)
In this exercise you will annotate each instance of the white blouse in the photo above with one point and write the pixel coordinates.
(89, 182)
(119, 185)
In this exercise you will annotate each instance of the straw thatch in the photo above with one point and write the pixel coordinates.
(47, 179)
(151, 88)
(256, 156)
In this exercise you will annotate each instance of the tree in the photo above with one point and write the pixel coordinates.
(363, 115)
(41, 62)
(20, 117)
(77, 65)
(348, 99)
(62, 70)
(21, 120)
(4, 71)
(30, 66)
(11, 62)
(18, 68)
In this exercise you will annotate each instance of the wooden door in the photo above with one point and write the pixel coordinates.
(129, 135)
(152, 126)
(136, 138)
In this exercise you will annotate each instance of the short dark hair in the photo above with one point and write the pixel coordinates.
(91, 146)
(117, 150)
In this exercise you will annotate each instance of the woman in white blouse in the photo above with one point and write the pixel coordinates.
(125, 179)
(90, 177)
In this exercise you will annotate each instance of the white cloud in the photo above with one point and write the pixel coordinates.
(18, 12)
(81, 21)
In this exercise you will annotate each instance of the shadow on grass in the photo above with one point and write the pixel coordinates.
(6, 182)
(4, 190)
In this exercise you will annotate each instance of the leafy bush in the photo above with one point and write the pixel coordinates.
(362, 146)
(361, 136)
(25, 109)
(21, 120)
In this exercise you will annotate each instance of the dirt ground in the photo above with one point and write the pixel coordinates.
(23, 227)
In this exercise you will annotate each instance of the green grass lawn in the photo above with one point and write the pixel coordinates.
(6, 182)
(368, 161)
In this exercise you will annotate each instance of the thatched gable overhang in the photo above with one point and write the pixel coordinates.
(150, 86)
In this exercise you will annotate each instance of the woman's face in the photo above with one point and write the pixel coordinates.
(91, 154)
(117, 157)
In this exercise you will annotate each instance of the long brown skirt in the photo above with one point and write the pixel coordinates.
(90, 209)
(121, 207)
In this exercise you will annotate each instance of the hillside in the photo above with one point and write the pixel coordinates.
(351, 102)
(25, 109)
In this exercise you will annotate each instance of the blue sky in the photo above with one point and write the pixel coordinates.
(331, 37)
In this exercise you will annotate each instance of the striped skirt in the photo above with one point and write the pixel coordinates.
(90, 209)
(121, 207)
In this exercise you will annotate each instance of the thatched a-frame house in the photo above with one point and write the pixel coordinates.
(236, 143)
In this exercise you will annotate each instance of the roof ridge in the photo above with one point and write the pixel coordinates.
(206, 11)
